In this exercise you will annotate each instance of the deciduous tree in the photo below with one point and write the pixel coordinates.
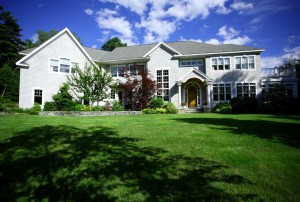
(91, 84)
(139, 89)
(113, 43)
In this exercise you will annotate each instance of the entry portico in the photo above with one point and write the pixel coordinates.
(194, 89)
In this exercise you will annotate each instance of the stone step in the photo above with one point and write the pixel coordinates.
(193, 110)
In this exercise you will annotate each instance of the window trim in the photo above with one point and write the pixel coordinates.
(201, 62)
(50, 70)
(33, 95)
(241, 59)
(249, 87)
(225, 92)
(163, 82)
(224, 65)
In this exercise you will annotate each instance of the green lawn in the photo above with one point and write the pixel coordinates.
(188, 157)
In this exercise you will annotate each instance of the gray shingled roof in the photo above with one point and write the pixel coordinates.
(128, 52)
(96, 54)
(192, 47)
(138, 51)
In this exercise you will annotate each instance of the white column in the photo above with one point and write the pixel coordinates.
(208, 95)
(179, 93)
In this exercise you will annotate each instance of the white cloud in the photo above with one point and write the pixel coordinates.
(108, 19)
(230, 36)
(137, 6)
(227, 34)
(94, 46)
(241, 6)
(238, 41)
(270, 62)
(89, 11)
(191, 39)
(213, 41)
(34, 37)
(294, 52)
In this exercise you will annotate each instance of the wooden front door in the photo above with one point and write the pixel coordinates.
(192, 96)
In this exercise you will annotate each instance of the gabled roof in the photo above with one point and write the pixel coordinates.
(181, 49)
(30, 52)
(194, 73)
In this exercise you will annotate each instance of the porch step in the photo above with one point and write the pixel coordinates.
(193, 110)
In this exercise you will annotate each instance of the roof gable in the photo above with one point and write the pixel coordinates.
(194, 73)
(166, 46)
(66, 31)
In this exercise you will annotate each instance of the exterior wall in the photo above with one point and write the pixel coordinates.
(38, 75)
(162, 58)
(234, 75)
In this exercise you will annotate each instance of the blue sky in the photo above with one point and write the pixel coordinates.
(270, 24)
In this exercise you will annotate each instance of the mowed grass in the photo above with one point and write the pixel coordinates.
(188, 157)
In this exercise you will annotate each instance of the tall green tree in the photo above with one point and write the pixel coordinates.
(10, 39)
(91, 84)
(8, 82)
(113, 43)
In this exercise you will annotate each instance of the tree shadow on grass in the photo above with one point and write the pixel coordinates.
(285, 133)
(64, 163)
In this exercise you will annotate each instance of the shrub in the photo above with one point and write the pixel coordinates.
(35, 109)
(4, 103)
(98, 108)
(50, 106)
(156, 103)
(223, 108)
(160, 110)
(170, 108)
(244, 104)
(149, 111)
(116, 106)
(79, 107)
(63, 99)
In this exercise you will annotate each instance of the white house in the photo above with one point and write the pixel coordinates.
(186, 72)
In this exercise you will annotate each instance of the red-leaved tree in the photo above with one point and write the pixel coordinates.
(139, 88)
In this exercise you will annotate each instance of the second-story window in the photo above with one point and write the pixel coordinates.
(221, 63)
(63, 65)
(244, 62)
(191, 63)
(117, 70)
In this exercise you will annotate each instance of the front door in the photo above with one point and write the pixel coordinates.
(192, 96)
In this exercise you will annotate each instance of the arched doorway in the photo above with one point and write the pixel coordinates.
(192, 96)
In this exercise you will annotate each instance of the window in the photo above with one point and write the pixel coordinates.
(221, 63)
(162, 79)
(221, 92)
(112, 94)
(117, 70)
(246, 89)
(244, 63)
(135, 69)
(38, 96)
(53, 65)
(190, 63)
(73, 67)
(64, 65)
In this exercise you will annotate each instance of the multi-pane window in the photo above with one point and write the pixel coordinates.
(222, 92)
(162, 79)
(38, 96)
(117, 70)
(54, 65)
(63, 65)
(73, 67)
(112, 94)
(135, 69)
(191, 63)
(244, 62)
(246, 89)
(221, 63)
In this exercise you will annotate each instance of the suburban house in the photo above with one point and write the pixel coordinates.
(186, 72)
